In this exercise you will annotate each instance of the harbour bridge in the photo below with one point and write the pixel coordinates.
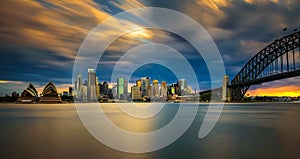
(274, 62)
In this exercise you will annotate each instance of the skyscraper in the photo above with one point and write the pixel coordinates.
(120, 88)
(104, 88)
(78, 84)
(135, 93)
(139, 83)
(114, 91)
(155, 88)
(163, 90)
(149, 91)
(91, 84)
(145, 83)
(182, 84)
(70, 91)
(97, 88)
(174, 89)
(125, 89)
(83, 94)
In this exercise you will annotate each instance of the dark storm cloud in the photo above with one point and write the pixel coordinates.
(39, 39)
(261, 21)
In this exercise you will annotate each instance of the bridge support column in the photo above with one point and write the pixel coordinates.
(226, 91)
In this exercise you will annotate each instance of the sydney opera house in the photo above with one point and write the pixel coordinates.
(29, 95)
(49, 95)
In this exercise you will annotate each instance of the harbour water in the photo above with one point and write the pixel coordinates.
(253, 130)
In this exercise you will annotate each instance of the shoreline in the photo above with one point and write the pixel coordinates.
(140, 103)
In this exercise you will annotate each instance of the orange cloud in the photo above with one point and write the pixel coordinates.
(11, 82)
(127, 4)
(293, 91)
(213, 4)
(253, 1)
(56, 26)
(59, 28)
(208, 13)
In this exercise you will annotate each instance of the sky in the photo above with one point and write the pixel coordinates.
(40, 39)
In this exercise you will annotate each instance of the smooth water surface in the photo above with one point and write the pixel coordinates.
(254, 130)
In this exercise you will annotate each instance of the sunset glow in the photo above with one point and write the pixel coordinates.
(46, 35)
(293, 91)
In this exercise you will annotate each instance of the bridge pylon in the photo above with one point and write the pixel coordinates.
(226, 90)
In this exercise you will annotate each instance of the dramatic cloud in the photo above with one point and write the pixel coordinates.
(55, 26)
(259, 22)
(40, 39)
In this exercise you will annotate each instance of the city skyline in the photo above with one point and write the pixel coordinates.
(143, 89)
(91, 90)
(46, 44)
(123, 87)
(181, 81)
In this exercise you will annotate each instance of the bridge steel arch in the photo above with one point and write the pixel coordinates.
(249, 74)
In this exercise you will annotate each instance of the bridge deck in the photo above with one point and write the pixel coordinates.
(269, 78)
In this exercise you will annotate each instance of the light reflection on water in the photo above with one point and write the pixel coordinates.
(256, 130)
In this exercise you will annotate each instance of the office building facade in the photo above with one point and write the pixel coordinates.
(91, 84)
(155, 88)
(145, 84)
(121, 88)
